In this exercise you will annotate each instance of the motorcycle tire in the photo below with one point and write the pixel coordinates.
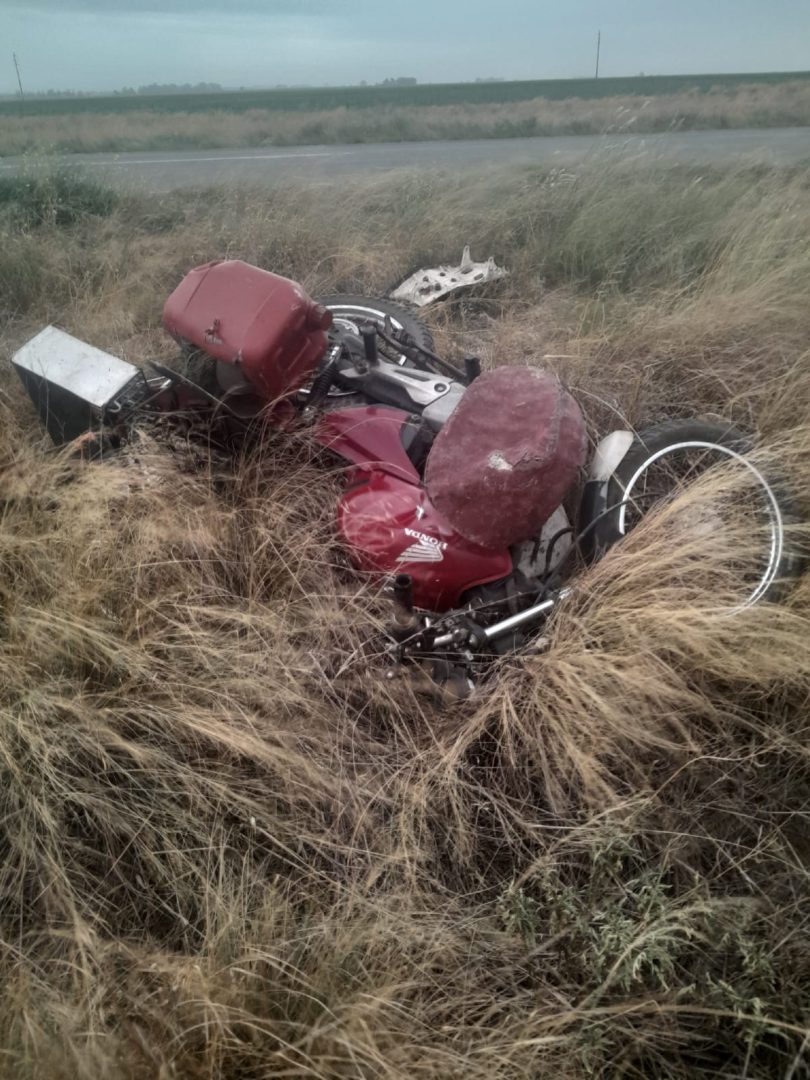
(704, 440)
(351, 311)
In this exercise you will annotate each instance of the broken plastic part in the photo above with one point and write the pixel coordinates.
(428, 285)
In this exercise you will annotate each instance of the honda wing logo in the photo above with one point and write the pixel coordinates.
(425, 549)
(421, 552)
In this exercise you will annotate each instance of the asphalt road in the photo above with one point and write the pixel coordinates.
(166, 170)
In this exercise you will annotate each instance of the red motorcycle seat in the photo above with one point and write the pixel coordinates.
(510, 451)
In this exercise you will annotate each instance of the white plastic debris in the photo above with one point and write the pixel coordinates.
(426, 286)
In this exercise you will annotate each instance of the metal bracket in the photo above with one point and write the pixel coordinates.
(428, 285)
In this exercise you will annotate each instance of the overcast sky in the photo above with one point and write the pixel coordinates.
(107, 44)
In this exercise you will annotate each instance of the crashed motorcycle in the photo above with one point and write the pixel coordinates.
(458, 482)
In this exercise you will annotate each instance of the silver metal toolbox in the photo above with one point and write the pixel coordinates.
(75, 386)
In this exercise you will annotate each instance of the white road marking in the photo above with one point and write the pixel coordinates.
(201, 160)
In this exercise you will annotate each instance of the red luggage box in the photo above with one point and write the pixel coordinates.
(261, 322)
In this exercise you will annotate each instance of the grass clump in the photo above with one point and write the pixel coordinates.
(51, 196)
(43, 257)
(231, 849)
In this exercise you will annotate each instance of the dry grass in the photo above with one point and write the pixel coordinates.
(231, 850)
(780, 105)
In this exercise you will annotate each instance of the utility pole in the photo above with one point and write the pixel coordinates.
(19, 80)
(598, 47)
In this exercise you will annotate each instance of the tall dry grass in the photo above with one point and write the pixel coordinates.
(747, 105)
(230, 849)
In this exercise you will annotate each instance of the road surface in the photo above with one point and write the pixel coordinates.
(166, 170)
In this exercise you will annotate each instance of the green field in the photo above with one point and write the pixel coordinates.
(314, 98)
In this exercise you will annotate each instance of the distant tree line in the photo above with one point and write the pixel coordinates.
(132, 91)
(162, 89)
(175, 88)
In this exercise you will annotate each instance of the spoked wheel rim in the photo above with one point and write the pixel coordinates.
(348, 318)
(695, 456)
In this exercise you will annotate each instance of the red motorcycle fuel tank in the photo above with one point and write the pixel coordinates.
(385, 518)
(390, 527)
(261, 322)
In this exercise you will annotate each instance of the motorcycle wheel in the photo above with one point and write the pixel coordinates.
(664, 458)
(350, 311)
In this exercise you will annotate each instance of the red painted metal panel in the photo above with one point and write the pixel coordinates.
(368, 435)
(264, 323)
(390, 527)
